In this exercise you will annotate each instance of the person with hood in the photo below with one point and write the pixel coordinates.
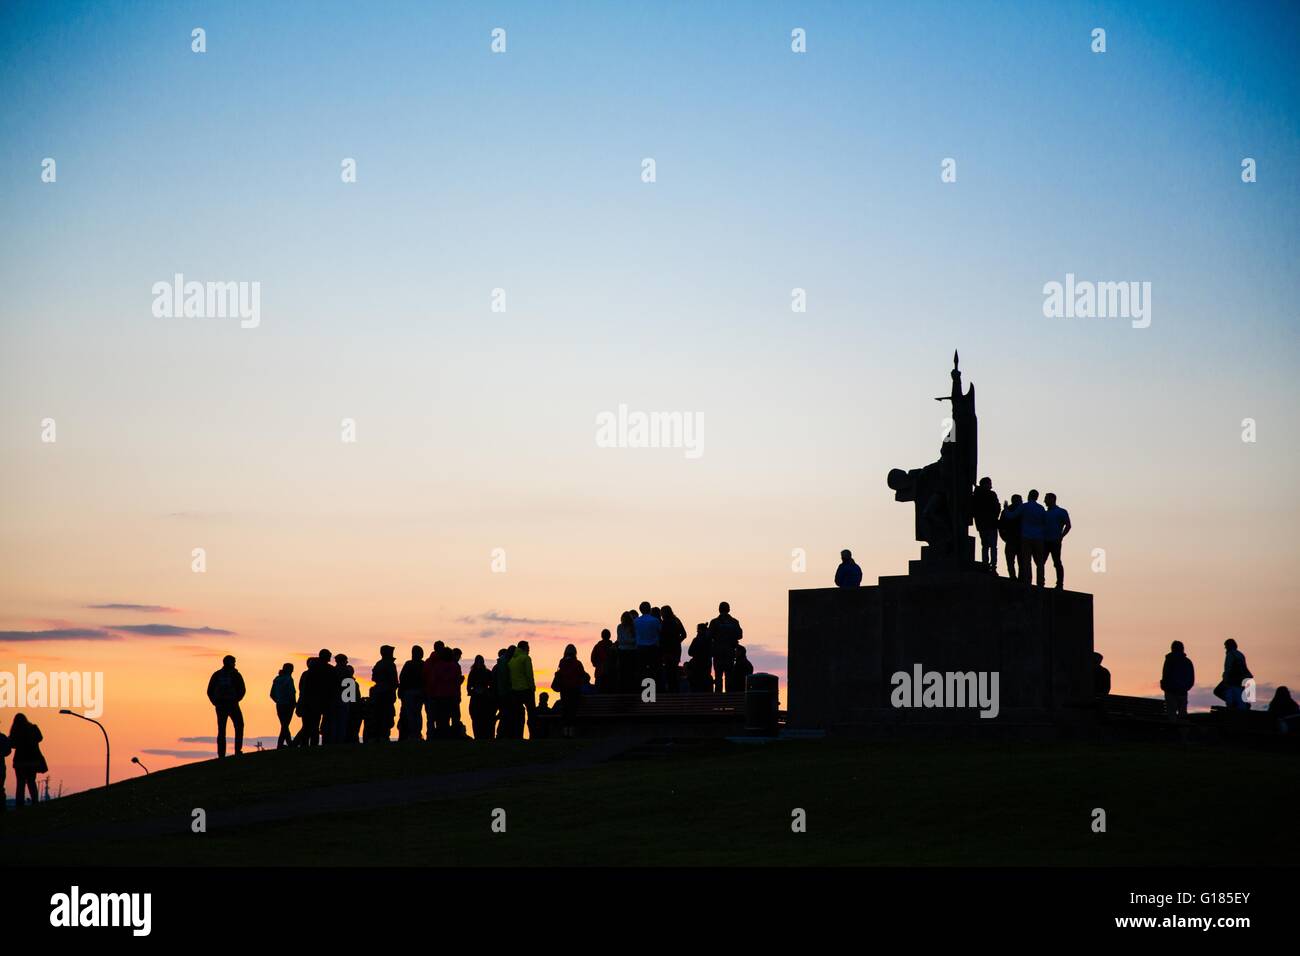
(740, 670)
(285, 697)
(25, 740)
(346, 702)
(1176, 679)
(725, 634)
(569, 682)
(482, 699)
(671, 638)
(984, 509)
(700, 664)
(1285, 711)
(410, 691)
(522, 685)
(849, 573)
(1009, 529)
(383, 695)
(1235, 674)
(505, 694)
(602, 661)
(225, 691)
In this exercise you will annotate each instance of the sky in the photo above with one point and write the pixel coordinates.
(475, 429)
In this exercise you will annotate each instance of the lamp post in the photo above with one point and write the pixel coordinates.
(101, 730)
(136, 761)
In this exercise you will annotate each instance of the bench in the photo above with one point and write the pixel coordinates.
(1122, 707)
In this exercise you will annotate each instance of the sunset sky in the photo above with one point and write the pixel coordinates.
(475, 429)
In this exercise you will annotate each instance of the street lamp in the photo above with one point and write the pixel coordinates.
(102, 730)
(136, 760)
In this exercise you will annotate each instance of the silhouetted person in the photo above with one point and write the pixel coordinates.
(5, 751)
(725, 635)
(848, 574)
(1177, 678)
(326, 692)
(410, 691)
(741, 669)
(523, 686)
(648, 631)
(25, 740)
(1033, 532)
(225, 691)
(984, 509)
(672, 636)
(430, 718)
(541, 728)
(1100, 677)
(505, 693)
(482, 699)
(1285, 711)
(285, 696)
(457, 725)
(1235, 673)
(340, 708)
(309, 733)
(442, 685)
(625, 652)
(381, 711)
(1009, 529)
(700, 663)
(602, 662)
(569, 682)
(1056, 528)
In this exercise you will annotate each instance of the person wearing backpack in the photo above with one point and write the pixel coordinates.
(225, 691)
(570, 681)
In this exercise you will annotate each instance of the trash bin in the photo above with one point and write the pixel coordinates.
(761, 704)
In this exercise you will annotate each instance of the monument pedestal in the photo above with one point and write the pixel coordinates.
(845, 645)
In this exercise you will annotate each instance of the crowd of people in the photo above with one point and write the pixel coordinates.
(1030, 532)
(423, 698)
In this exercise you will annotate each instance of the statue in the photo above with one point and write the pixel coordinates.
(941, 491)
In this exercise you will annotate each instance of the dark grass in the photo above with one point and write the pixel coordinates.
(892, 803)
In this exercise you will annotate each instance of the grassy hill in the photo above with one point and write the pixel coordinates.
(893, 803)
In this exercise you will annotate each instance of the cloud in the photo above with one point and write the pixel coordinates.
(496, 617)
(61, 634)
(142, 608)
(167, 630)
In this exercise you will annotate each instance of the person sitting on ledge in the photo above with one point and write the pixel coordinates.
(1285, 711)
(1235, 673)
(848, 574)
(984, 509)
(1100, 678)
